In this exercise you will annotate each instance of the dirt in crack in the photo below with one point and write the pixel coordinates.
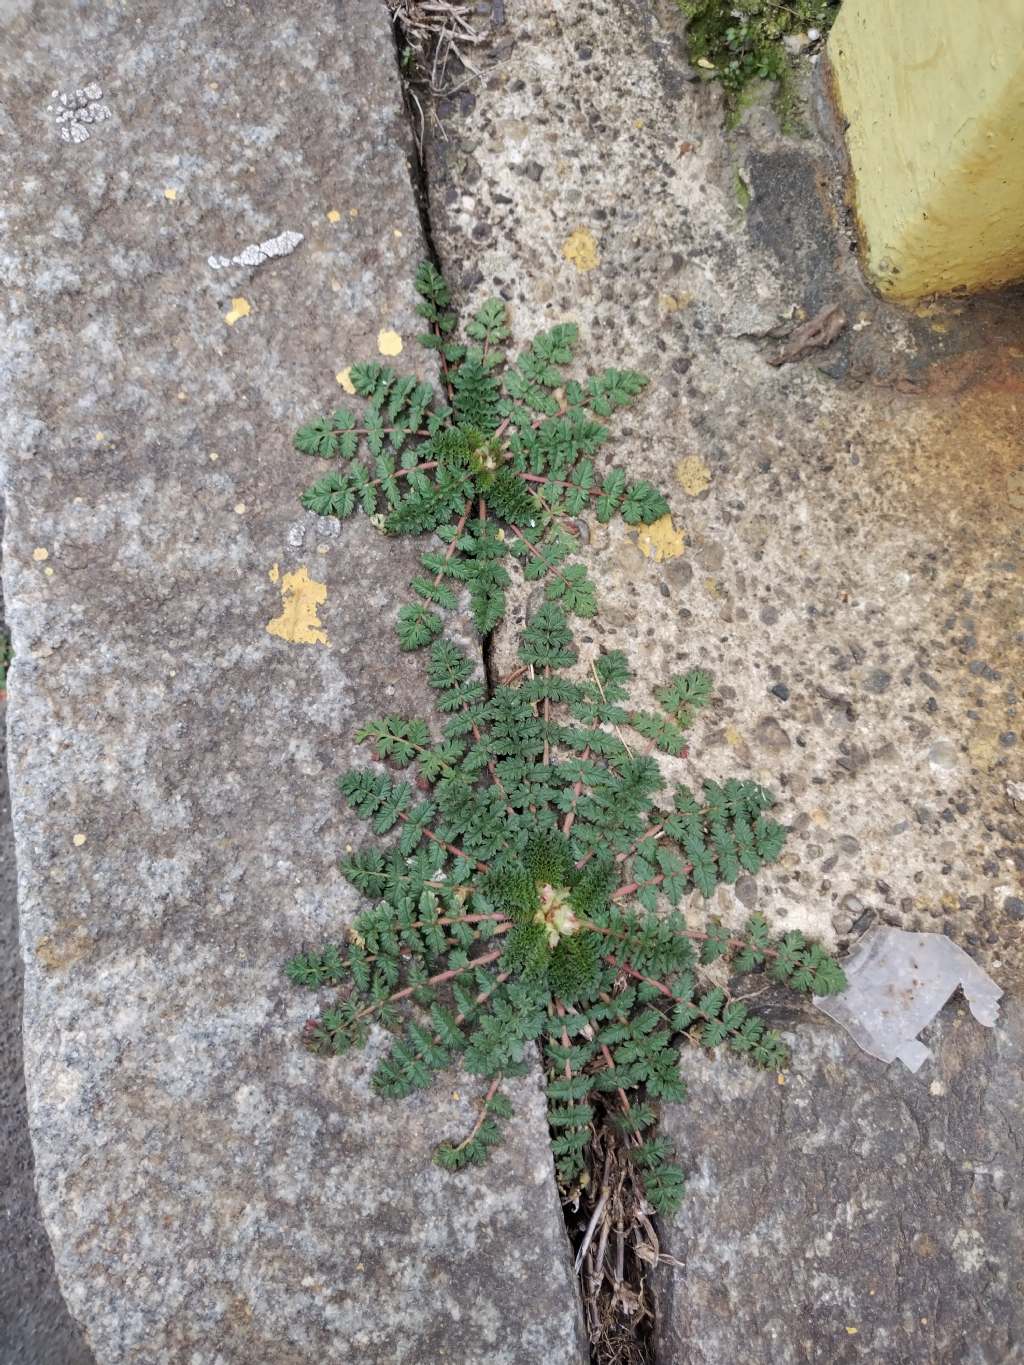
(612, 1232)
(615, 1242)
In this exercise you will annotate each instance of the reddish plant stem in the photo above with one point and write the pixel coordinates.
(534, 551)
(437, 980)
(483, 1114)
(404, 473)
(650, 833)
(630, 887)
(453, 543)
(452, 848)
(639, 976)
(570, 814)
(561, 483)
(484, 995)
(547, 719)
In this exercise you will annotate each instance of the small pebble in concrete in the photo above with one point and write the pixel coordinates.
(878, 681)
(746, 891)
(781, 691)
(771, 734)
(942, 755)
(1014, 907)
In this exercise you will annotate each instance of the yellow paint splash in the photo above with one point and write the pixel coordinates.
(40, 554)
(660, 540)
(171, 195)
(78, 840)
(274, 574)
(240, 308)
(983, 747)
(388, 342)
(693, 475)
(580, 247)
(333, 216)
(344, 378)
(300, 598)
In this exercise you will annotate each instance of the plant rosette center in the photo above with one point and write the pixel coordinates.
(555, 914)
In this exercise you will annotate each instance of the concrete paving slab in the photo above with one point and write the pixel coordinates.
(213, 1193)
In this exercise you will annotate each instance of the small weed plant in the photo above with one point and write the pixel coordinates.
(499, 464)
(527, 893)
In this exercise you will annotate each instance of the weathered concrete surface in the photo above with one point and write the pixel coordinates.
(214, 1194)
(857, 1213)
(852, 567)
(35, 1326)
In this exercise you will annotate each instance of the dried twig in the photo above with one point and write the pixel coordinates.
(435, 31)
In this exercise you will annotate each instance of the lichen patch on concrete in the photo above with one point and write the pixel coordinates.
(389, 342)
(693, 475)
(580, 247)
(301, 599)
(240, 308)
(660, 540)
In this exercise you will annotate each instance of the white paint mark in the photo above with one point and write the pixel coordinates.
(256, 253)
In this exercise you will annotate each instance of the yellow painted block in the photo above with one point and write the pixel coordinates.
(933, 92)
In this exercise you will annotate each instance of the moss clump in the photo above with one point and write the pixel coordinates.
(739, 41)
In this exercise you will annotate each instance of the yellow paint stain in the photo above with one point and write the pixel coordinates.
(711, 586)
(40, 554)
(983, 747)
(214, 455)
(397, 232)
(171, 195)
(660, 540)
(344, 378)
(732, 736)
(78, 840)
(299, 622)
(389, 342)
(333, 216)
(780, 1078)
(693, 475)
(48, 571)
(240, 508)
(274, 574)
(240, 308)
(671, 303)
(353, 213)
(580, 247)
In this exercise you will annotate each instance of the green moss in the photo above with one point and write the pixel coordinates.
(742, 191)
(739, 41)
